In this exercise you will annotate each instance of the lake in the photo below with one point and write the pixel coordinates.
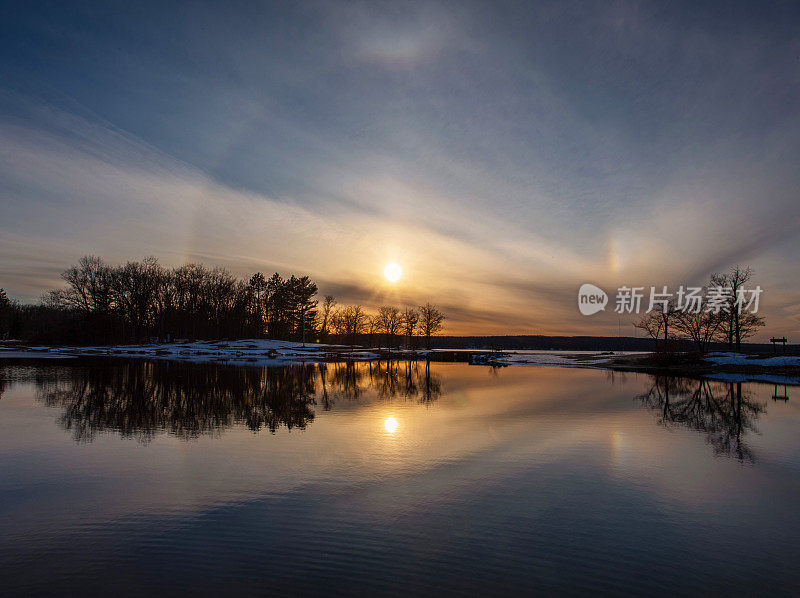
(133, 477)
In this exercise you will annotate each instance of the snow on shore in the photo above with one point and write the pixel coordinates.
(272, 352)
(261, 352)
(241, 352)
(741, 359)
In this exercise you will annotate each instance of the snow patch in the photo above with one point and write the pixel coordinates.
(741, 359)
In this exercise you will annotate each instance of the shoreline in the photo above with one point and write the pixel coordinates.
(730, 367)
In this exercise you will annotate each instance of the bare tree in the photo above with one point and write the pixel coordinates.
(389, 321)
(410, 319)
(135, 289)
(700, 326)
(350, 321)
(658, 323)
(90, 291)
(372, 327)
(738, 324)
(747, 325)
(328, 304)
(431, 321)
(651, 324)
(89, 286)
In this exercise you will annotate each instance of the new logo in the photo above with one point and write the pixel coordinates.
(591, 299)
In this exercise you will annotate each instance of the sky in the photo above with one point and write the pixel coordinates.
(502, 153)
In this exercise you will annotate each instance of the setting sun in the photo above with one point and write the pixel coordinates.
(393, 272)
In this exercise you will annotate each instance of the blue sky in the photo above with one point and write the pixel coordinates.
(503, 153)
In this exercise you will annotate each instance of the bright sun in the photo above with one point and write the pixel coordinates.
(393, 272)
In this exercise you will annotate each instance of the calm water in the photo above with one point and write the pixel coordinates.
(135, 477)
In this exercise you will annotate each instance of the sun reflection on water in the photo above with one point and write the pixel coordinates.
(391, 425)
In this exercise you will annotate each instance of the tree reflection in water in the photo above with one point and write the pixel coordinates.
(141, 399)
(722, 411)
(389, 379)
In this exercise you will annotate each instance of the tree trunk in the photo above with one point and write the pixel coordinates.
(738, 330)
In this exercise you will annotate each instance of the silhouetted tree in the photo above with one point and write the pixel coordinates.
(372, 327)
(431, 321)
(258, 295)
(302, 306)
(701, 327)
(328, 303)
(350, 321)
(141, 299)
(6, 314)
(389, 321)
(89, 286)
(739, 324)
(659, 323)
(409, 321)
(278, 311)
(90, 291)
(135, 289)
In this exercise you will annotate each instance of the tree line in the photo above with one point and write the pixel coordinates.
(389, 324)
(729, 324)
(142, 301)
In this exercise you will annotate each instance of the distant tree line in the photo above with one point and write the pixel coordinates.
(390, 325)
(729, 324)
(142, 301)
